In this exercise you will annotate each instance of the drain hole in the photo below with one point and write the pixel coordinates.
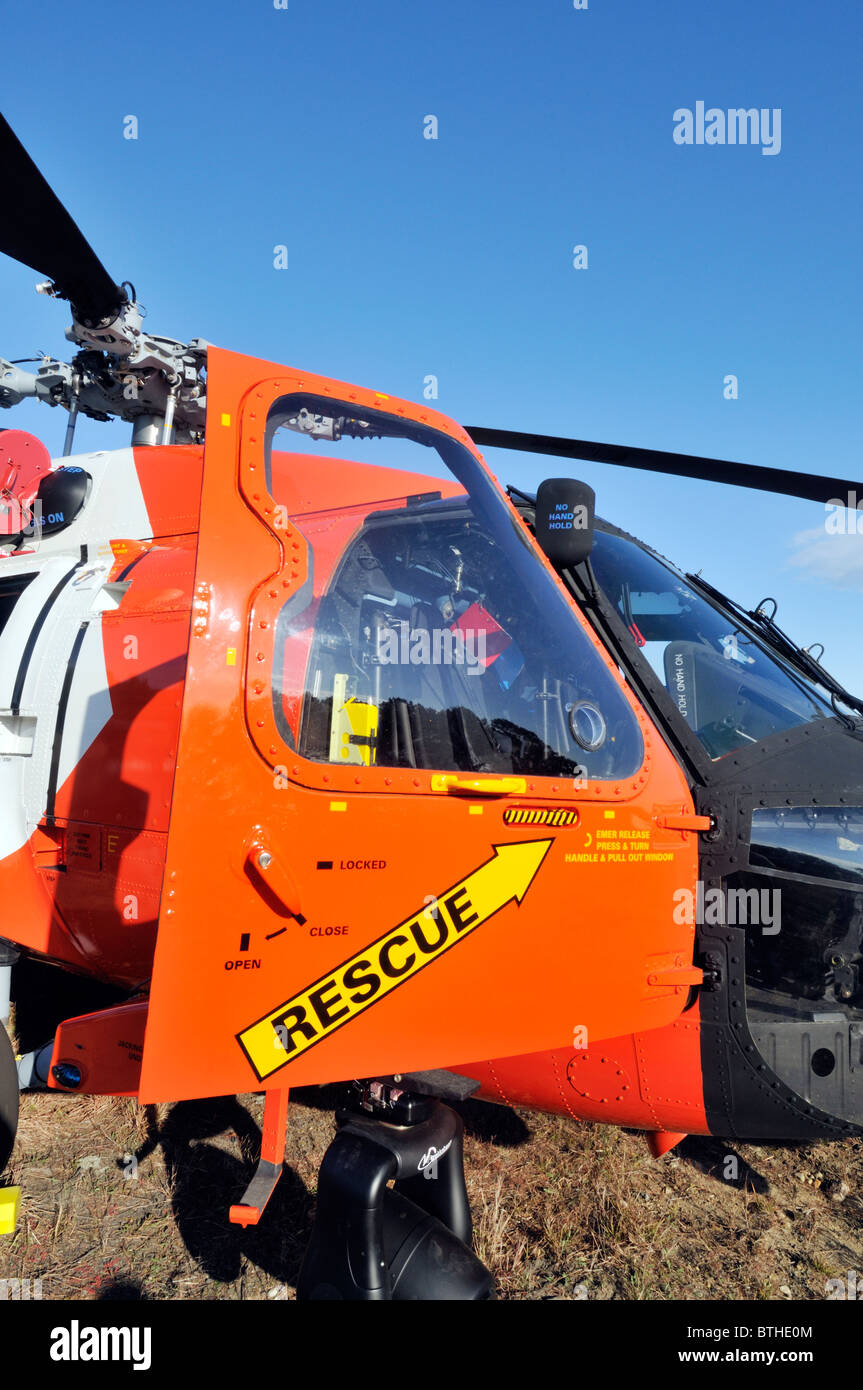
(823, 1061)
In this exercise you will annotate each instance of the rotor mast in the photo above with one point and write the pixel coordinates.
(120, 371)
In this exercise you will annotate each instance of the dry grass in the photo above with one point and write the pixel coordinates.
(120, 1202)
(561, 1211)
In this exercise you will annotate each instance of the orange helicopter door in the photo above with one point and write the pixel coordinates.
(418, 817)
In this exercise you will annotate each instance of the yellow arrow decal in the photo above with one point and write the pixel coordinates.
(393, 959)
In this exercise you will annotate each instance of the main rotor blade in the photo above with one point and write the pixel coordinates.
(811, 486)
(36, 230)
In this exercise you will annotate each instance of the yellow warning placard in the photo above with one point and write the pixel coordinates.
(393, 959)
(540, 815)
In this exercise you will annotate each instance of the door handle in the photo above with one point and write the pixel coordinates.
(270, 870)
(478, 786)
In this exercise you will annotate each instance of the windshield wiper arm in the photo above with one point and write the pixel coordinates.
(783, 644)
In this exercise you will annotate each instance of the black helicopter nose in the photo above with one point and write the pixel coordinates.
(785, 1024)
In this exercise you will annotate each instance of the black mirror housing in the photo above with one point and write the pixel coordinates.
(565, 511)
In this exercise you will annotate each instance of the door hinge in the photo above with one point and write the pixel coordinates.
(676, 977)
(685, 821)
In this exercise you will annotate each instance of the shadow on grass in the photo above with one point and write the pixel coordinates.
(121, 1291)
(206, 1181)
(493, 1124)
(717, 1159)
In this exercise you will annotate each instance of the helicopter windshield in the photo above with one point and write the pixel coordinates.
(728, 685)
(431, 636)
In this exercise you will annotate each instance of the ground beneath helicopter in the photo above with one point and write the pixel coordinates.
(123, 1203)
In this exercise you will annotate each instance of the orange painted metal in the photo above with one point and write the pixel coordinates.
(170, 480)
(685, 822)
(111, 815)
(191, 829)
(570, 946)
(87, 886)
(106, 1048)
(661, 1141)
(249, 1213)
(39, 925)
(650, 1080)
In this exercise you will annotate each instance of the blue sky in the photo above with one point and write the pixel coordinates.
(409, 257)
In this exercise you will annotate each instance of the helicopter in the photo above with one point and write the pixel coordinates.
(346, 764)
